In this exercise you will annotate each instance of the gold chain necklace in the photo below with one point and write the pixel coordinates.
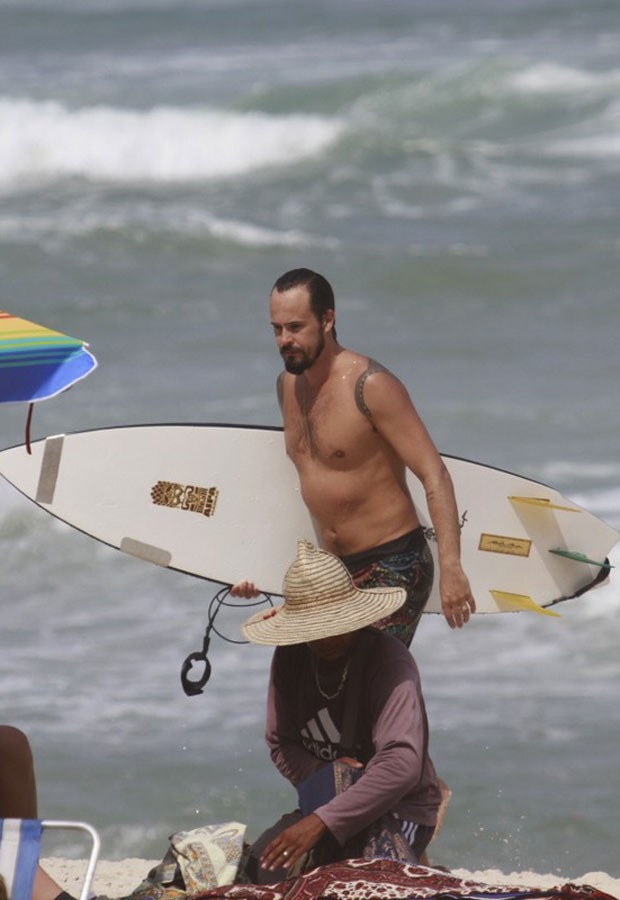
(343, 679)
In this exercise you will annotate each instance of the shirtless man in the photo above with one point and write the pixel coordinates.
(352, 431)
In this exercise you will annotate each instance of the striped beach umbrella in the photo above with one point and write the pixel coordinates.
(37, 363)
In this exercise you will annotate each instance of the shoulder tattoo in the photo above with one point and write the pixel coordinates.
(373, 367)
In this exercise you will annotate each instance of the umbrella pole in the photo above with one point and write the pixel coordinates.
(28, 424)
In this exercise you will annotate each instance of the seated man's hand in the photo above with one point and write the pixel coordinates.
(349, 761)
(291, 844)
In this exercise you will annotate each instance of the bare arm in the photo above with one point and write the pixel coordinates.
(18, 795)
(394, 416)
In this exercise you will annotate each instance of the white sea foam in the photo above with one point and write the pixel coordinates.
(139, 221)
(48, 141)
(547, 77)
(601, 146)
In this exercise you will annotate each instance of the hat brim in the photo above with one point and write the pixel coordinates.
(280, 625)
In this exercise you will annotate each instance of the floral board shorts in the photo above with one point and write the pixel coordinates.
(404, 562)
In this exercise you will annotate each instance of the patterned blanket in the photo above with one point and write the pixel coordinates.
(383, 879)
(198, 861)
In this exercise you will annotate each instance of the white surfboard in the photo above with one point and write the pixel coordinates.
(222, 502)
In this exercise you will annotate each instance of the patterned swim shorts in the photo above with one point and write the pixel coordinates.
(404, 562)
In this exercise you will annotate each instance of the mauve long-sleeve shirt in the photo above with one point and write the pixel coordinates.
(303, 732)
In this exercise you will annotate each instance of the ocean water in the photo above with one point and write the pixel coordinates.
(453, 168)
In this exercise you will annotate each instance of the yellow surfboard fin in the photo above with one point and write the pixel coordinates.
(517, 602)
(542, 502)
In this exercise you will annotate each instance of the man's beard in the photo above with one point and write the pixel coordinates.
(298, 364)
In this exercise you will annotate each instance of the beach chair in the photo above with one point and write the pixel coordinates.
(20, 850)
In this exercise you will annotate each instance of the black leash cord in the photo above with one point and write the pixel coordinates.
(195, 686)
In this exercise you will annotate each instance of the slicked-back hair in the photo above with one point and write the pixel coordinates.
(319, 289)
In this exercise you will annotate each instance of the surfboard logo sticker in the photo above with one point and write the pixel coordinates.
(189, 497)
(511, 546)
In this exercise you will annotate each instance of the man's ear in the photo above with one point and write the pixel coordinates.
(329, 321)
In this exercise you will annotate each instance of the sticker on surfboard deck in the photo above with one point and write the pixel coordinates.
(190, 497)
(499, 543)
(222, 502)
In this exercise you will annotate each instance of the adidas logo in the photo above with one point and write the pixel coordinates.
(321, 737)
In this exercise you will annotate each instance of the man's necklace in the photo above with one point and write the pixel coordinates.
(343, 679)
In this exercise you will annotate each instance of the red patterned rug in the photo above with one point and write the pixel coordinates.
(383, 879)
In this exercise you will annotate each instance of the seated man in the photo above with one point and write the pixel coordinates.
(328, 662)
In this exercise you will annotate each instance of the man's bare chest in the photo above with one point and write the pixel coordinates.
(332, 434)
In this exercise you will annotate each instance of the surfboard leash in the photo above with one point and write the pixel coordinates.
(194, 686)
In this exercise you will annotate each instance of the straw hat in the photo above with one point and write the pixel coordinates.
(320, 600)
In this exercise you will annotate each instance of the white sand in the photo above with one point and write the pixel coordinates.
(600, 880)
(119, 878)
(113, 879)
